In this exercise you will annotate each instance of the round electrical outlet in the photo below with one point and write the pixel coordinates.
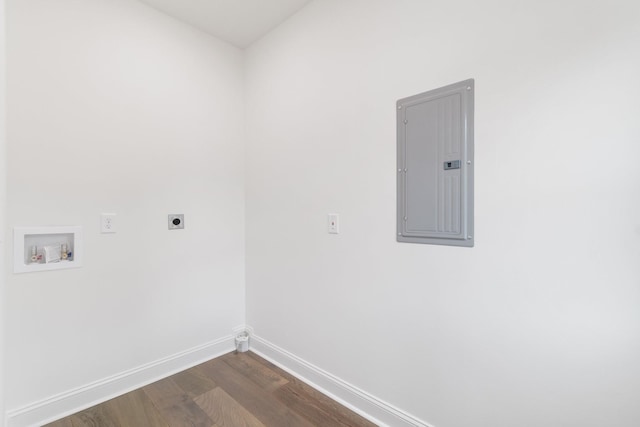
(176, 221)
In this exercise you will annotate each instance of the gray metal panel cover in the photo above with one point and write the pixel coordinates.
(435, 166)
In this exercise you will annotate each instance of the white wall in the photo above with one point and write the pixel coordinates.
(536, 325)
(114, 107)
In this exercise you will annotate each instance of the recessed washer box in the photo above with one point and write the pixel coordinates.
(435, 166)
(25, 239)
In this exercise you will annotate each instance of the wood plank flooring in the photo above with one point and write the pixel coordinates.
(235, 390)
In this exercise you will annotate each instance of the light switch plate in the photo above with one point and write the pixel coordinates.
(333, 225)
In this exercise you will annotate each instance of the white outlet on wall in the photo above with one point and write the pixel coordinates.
(108, 223)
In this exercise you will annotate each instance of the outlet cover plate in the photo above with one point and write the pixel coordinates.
(176, 221)
(108, 223)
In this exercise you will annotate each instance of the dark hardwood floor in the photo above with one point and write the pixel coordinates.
(235, 390)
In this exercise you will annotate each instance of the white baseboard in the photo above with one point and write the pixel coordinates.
(72, 401)
(359, 401)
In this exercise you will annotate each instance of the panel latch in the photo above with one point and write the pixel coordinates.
(454, 164)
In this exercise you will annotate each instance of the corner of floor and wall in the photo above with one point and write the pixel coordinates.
(113, 107)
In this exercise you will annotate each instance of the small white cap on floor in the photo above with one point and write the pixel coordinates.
(242, 343)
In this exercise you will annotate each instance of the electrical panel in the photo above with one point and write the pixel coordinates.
(435, 166)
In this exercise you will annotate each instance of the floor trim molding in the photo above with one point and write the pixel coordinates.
(359, 401)
(72, 401)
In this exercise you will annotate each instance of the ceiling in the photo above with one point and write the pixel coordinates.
(239, 22)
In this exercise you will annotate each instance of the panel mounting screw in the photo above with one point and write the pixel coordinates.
(468, 87)
(406, 121)
(468, 162)
(399, 170)
(399, 234)
(469, 237)
(399, 107)
(405, 218)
